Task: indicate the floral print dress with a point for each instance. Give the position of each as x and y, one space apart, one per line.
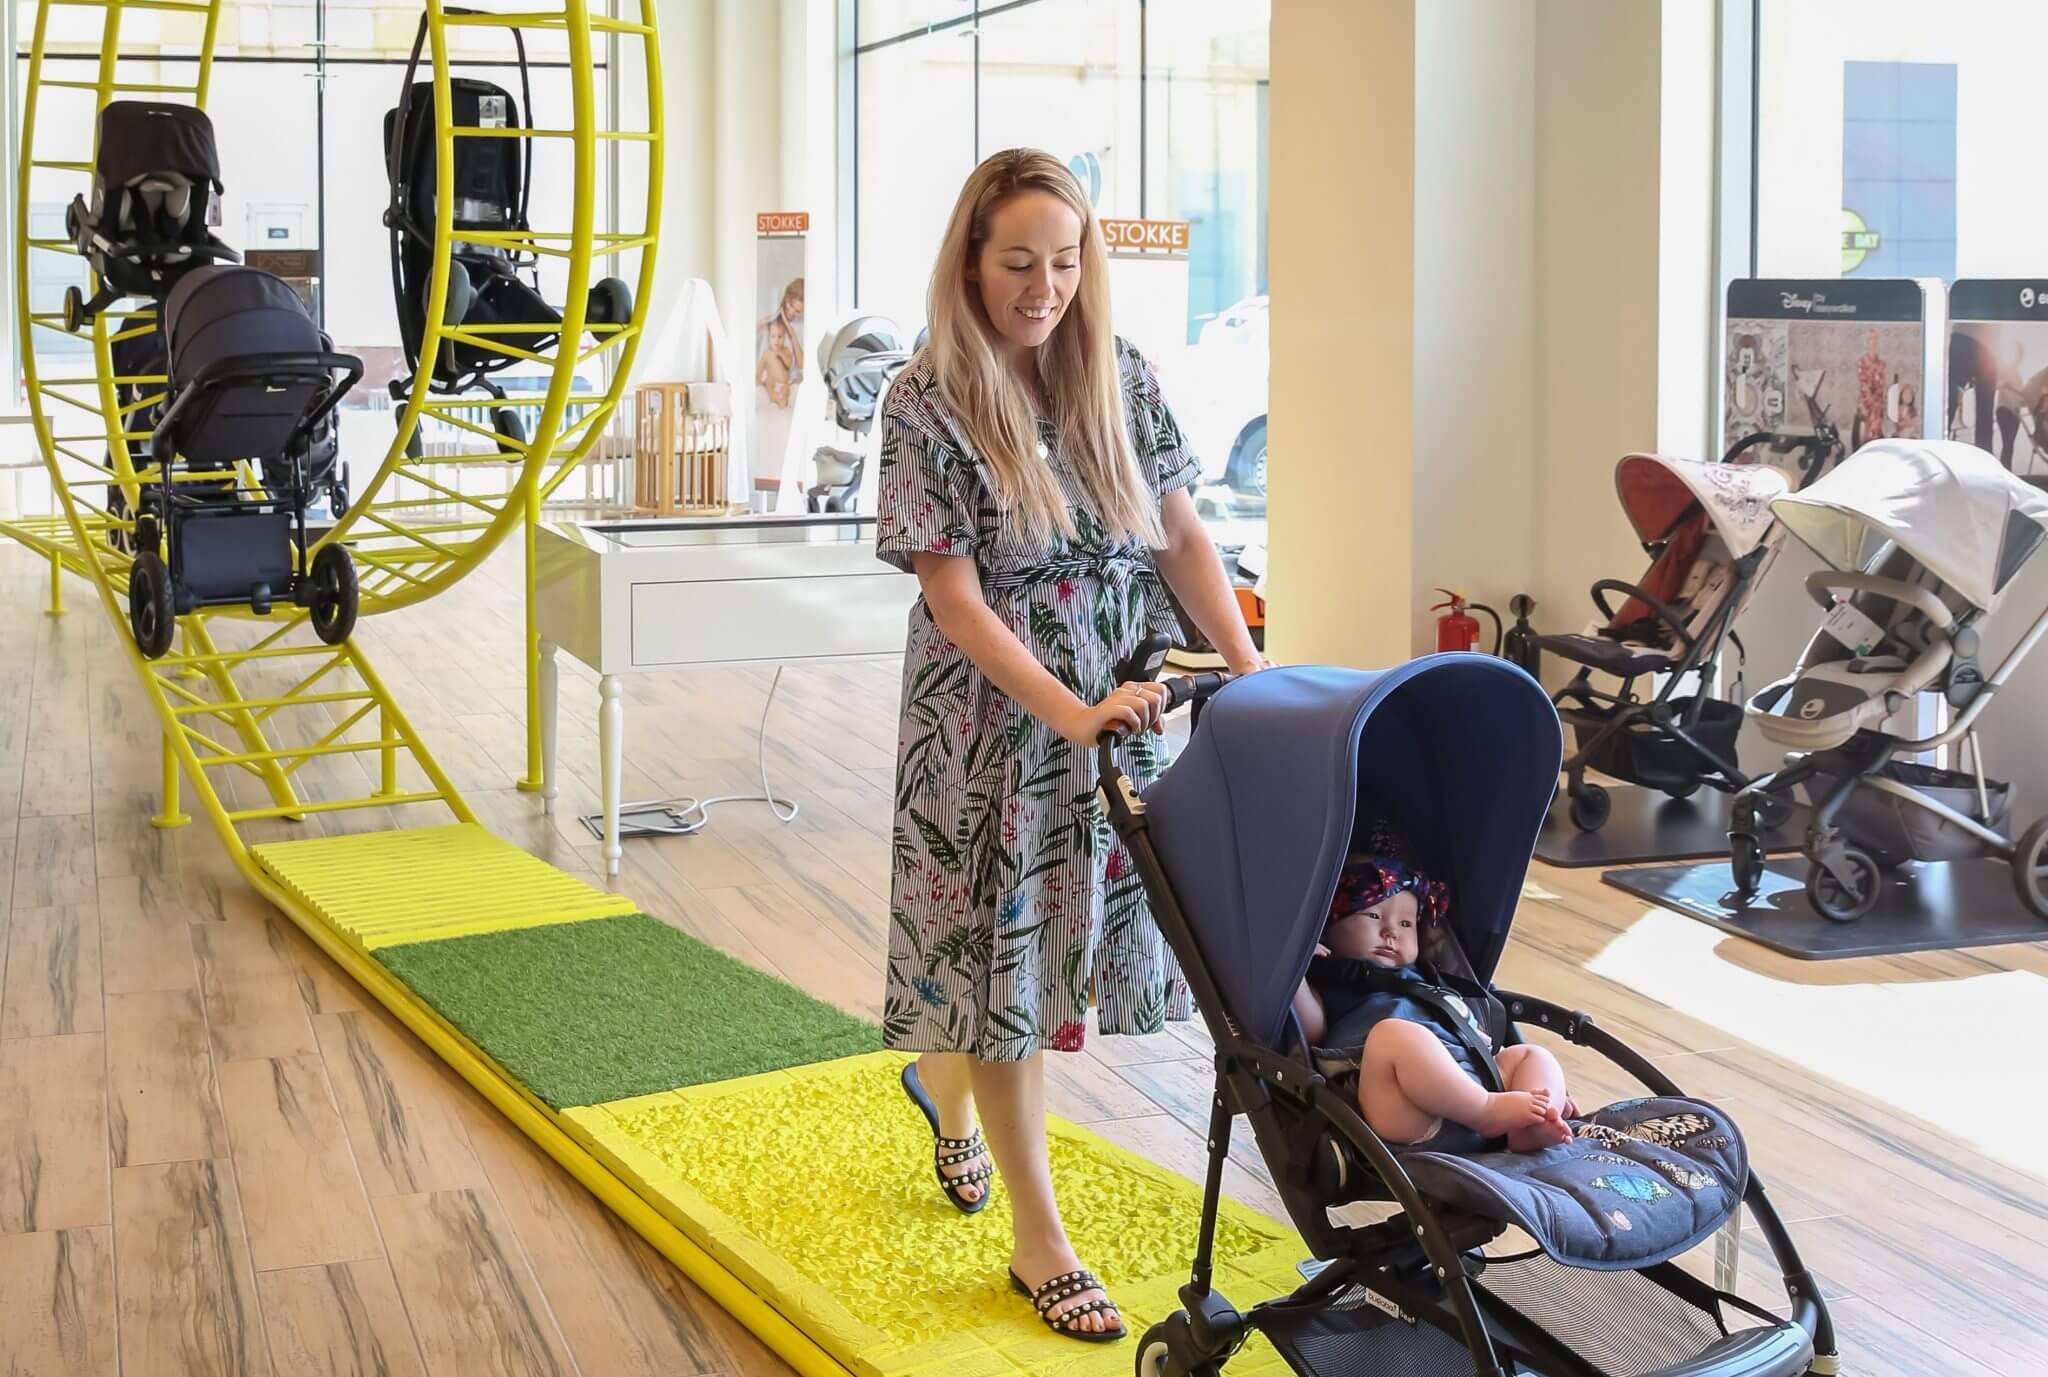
1011 900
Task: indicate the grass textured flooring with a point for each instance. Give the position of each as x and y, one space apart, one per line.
582 1013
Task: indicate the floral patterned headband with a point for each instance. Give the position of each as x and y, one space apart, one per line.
1371 880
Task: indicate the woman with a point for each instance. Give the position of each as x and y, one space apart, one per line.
1034 480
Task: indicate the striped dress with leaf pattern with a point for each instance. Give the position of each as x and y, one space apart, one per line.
1011 901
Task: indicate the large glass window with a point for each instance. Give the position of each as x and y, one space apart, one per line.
1159 107
1897 138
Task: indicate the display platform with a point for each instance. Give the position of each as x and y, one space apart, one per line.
1930 907
1646 825
751 1132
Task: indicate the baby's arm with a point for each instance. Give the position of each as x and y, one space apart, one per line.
1308 1007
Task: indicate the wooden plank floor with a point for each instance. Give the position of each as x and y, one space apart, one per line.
218 1158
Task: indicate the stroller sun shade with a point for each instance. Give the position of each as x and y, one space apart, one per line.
233 312
1656 491
1254 821
140 137
1951 507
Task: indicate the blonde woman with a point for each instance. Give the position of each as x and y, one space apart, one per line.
1034 480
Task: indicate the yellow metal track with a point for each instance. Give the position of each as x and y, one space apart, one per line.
274 726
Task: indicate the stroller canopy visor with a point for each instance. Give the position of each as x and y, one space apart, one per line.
1253 823
1657 490
233 312
140 137
1951 507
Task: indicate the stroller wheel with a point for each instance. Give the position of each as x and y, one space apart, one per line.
150 614
117 509
334 594
2030 868
1156 1357
1746 862
1840 902
508 423
1590 807
611 303
74 309
1685 790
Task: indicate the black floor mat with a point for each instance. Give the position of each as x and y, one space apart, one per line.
1931 907
1646 825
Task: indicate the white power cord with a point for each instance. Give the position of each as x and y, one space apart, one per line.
687 814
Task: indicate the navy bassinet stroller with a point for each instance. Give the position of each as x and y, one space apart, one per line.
1240 845
250 383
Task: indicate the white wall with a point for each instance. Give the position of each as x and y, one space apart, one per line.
1476 439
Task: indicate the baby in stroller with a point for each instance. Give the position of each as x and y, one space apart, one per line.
1421 1056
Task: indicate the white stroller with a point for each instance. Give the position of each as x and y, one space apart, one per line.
1921 537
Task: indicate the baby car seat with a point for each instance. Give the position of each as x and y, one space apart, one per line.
155 184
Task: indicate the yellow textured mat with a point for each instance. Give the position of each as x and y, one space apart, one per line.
813 1187
381 889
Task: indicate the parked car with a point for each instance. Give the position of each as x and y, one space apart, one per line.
1218 392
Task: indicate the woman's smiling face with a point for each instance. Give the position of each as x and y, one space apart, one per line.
1028 267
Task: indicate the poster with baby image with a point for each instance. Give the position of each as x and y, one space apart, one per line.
1997 393
1815 369
779 247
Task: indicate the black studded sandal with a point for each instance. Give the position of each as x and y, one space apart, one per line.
1047 1298
951 1152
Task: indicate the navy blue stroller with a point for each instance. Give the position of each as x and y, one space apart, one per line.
1240 845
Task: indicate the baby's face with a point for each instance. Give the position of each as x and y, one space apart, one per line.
1384 934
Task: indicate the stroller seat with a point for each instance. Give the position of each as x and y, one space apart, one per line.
1643 1181
156 178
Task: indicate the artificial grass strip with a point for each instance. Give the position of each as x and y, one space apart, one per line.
583 1013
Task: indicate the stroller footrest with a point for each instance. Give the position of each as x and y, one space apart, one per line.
1783 1350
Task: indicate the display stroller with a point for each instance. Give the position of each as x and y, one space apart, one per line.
156 177
859 360
1710 536
1921 537
1239 846
489 284
250 381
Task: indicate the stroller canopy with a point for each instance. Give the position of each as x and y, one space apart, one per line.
1254 821
1951 507
1656 491
138 138
233 312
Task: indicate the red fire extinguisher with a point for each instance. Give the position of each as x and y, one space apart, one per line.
1455 630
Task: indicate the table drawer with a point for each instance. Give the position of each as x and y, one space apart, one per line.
733 620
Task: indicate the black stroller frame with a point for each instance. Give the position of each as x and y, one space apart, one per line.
610 301
261 557
1421 1266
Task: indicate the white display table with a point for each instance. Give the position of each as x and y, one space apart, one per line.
633 596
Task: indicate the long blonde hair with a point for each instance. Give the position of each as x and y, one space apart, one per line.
1077 366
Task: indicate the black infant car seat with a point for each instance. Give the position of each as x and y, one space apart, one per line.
156 183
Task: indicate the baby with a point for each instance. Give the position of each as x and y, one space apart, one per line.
1418 1085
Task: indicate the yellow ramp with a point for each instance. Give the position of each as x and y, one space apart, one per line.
382 889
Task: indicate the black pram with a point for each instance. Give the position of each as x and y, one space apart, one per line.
250 381
1240 845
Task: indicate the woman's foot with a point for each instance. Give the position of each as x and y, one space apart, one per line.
1511 1111
1032 1268
961 1158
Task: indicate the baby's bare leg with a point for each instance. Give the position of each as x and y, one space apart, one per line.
1408 1081
1526 1066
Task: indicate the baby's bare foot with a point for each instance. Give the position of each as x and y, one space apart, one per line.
1510 1110
1546 1132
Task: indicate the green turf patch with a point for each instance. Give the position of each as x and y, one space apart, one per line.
583 1013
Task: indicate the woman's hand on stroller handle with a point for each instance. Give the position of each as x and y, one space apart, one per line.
1158 699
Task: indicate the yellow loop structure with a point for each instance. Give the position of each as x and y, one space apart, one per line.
423 521
281 727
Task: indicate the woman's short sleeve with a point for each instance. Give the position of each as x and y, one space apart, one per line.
1156 437
921 506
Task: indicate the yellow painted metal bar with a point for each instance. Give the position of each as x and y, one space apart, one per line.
300 754
293 810
201 707
169 814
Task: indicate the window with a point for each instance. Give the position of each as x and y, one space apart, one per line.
1159 107
1895 138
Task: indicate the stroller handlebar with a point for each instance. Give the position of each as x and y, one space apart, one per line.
315 367
1180 691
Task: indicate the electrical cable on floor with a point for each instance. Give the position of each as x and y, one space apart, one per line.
688 814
